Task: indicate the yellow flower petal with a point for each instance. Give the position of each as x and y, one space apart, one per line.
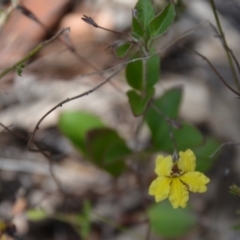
163 166
187 161
196 181
160 188
179 194
153 186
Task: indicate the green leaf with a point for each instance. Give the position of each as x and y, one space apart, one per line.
136 37
122 50
162 21
168 104
75 126
138 103
36 214
138 31
153 70
170 223
144 13
203 153
19 69
236 227
186 136
134 74
107 150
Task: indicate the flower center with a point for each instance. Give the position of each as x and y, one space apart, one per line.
175 171
175 174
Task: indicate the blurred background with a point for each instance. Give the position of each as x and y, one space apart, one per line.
68 197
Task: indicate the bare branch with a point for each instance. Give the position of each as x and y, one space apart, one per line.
64 102
66 40
91 22
219 26
226 47
213 69
38 149
223 145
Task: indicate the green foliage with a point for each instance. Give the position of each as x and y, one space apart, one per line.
236 227
123 49
36 214
152 70
203 153
143 14
162 21
146 25
139 103
142 75
168 104
134 74
186 136
168 222
138 31
107 150
20 68
99 144
81 221
75 125
84 221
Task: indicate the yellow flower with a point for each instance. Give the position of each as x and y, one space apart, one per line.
176 178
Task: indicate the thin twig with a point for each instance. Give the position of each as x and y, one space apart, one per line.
213 69
223 145
64 102
66 40
228 49
46 155
91 22
147 57
219 26
148 234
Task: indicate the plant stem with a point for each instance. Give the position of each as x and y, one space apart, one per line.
144 71
23 60
219 26
33 52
